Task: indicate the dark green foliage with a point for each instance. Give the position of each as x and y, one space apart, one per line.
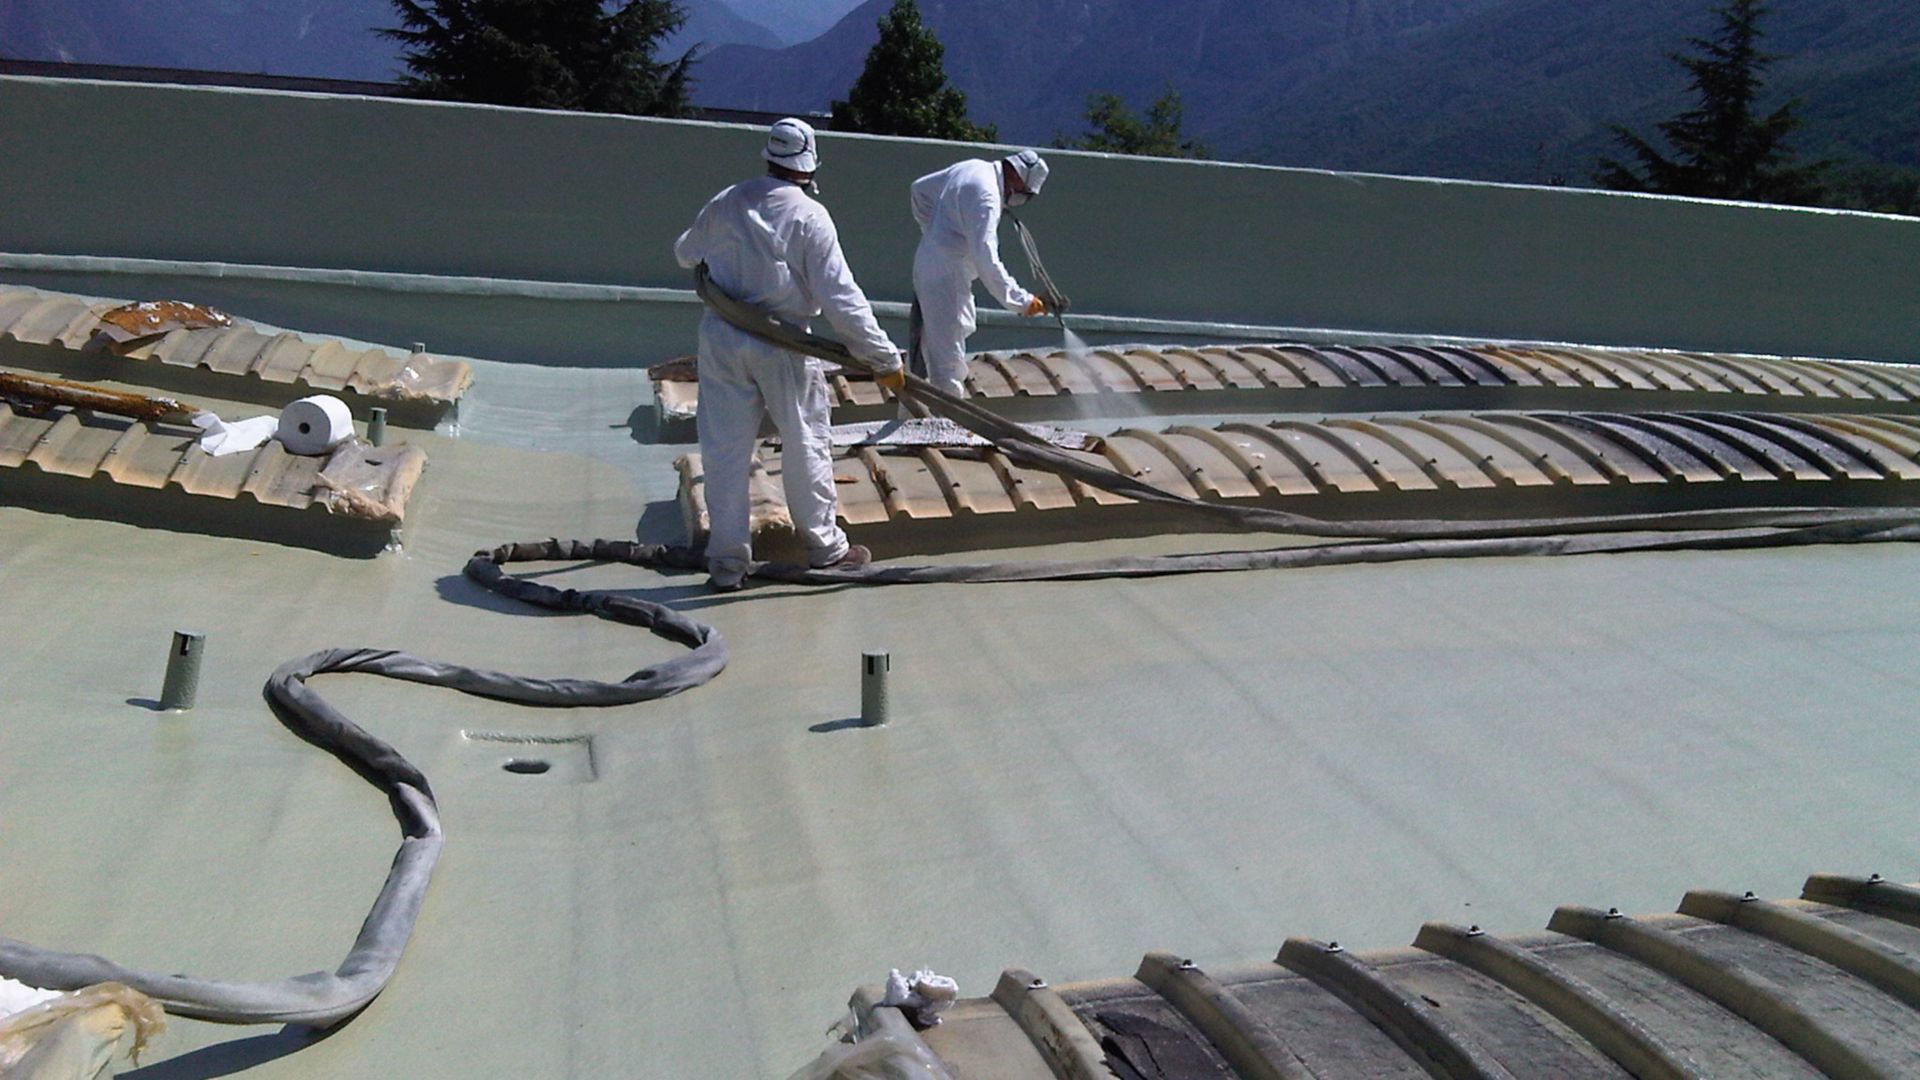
581 55
1116 129
1881 188
904 89
1721 147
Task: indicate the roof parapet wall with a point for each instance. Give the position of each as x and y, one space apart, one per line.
293 180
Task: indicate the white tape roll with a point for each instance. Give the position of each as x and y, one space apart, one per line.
315 425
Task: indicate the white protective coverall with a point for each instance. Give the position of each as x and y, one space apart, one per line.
768 243
958 209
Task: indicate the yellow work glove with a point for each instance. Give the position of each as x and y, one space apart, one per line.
1035 307
895 380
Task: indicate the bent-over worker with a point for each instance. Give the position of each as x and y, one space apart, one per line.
767 243
958 209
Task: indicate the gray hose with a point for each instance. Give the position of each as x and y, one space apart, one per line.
323 998
1057 301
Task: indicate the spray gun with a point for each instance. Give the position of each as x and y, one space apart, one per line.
1057 301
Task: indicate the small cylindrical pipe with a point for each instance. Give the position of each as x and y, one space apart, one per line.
183 671
874 703
377 426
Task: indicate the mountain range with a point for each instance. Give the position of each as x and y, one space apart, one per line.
335 39
1519 90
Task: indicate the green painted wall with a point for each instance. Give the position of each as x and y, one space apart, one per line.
179 173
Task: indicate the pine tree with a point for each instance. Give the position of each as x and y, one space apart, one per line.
1721 148
904 88
545 54
1117 129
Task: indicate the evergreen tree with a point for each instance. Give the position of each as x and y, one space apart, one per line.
581 55
904 88
1117 129
1721 147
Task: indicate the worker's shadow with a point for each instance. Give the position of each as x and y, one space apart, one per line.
644 425
228 1058
661 523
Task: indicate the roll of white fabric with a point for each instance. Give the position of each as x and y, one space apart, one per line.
315 425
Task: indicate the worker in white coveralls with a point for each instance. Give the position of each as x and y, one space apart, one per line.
768 243
958 209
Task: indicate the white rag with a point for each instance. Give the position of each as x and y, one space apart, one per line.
922 995
219 438
18 997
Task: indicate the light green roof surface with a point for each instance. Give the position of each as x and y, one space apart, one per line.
1076 772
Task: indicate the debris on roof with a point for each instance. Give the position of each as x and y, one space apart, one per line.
189 348
1732 985
30 394
1481 463
1367 378
131 325
88 463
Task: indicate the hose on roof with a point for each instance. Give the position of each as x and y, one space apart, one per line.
325 998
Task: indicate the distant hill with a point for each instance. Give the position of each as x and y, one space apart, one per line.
1028 65
711 23
794 21
1519 90
328 38
331 38
1526 90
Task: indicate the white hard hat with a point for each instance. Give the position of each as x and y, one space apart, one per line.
1032 169
790 146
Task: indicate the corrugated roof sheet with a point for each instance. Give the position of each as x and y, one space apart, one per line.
1367 377
356 480
1284 461
292 364
1733 985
